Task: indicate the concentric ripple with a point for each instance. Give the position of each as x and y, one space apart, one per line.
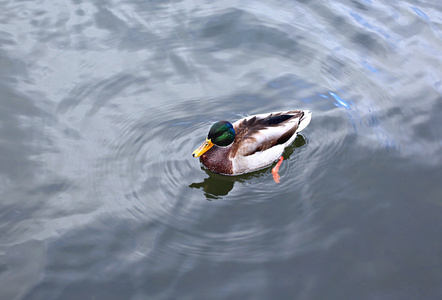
140 163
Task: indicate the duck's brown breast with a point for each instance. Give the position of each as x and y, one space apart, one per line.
217 160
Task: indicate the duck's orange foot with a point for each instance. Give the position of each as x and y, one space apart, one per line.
275 170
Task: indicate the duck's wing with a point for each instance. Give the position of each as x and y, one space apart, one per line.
262 132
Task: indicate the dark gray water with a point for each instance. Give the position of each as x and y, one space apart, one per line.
103 102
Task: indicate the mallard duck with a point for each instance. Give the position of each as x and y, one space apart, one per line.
251 143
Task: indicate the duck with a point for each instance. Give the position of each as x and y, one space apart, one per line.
251 143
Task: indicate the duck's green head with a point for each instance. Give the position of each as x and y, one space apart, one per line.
221 134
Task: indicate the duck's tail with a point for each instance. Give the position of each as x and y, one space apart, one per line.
305 120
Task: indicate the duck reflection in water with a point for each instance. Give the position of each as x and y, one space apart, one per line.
217 186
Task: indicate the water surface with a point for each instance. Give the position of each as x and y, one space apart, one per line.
104 102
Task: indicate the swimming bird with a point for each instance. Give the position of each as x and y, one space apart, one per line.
251 143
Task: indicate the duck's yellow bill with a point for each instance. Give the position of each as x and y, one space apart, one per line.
203 148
